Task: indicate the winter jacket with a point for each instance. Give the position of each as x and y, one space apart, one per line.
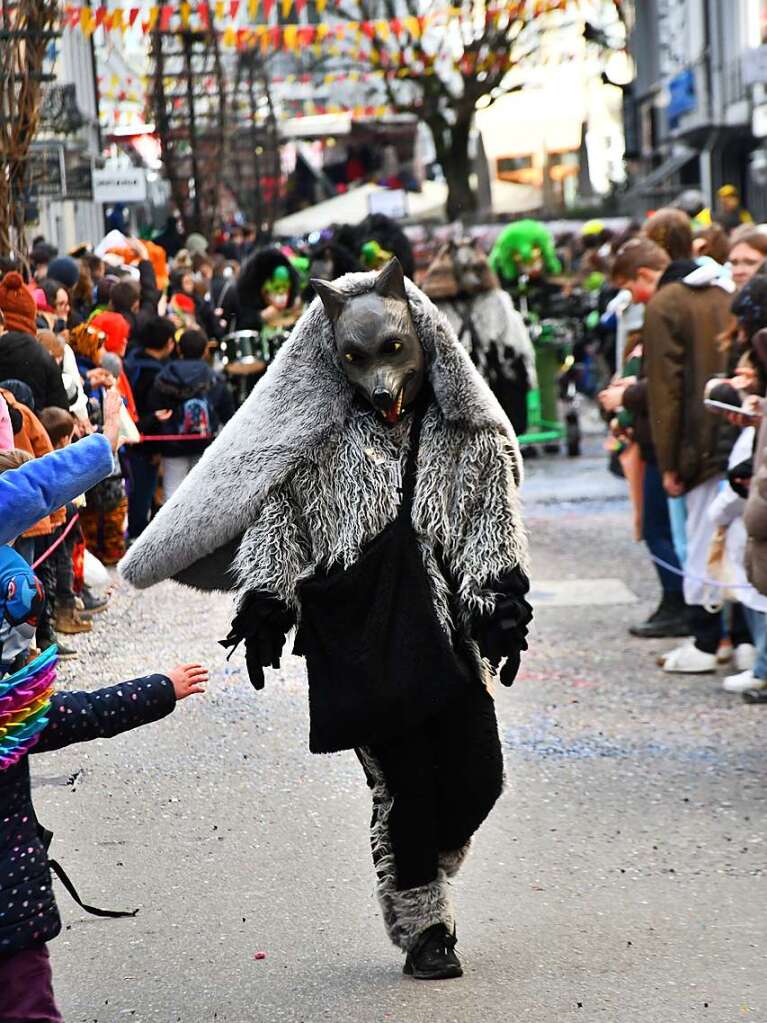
28 912
39 487
33 439
726 512
22 357
141 370
178 382
148 299
681 354
755 516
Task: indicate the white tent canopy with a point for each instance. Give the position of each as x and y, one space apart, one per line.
353 206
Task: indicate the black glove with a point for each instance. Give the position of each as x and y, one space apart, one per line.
503 633
263 621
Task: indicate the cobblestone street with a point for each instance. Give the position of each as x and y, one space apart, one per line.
618 879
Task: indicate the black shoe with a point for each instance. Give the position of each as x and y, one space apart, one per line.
433 956
668 620
91 602
755 696
47 639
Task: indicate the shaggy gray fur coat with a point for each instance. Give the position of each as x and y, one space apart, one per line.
497 325
304 476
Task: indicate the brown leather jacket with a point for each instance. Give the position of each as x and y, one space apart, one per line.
681 353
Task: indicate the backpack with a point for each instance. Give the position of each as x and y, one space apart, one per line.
195 418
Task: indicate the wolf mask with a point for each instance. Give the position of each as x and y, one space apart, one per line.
294 415
376 341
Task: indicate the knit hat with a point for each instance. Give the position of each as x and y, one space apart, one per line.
196 243
116 328
19 307
65 270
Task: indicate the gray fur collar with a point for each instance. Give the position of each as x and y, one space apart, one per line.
302 403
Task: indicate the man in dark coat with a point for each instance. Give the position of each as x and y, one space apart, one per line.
22 357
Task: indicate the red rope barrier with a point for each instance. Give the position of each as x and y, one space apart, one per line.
75 518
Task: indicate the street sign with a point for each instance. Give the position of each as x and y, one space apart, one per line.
45 171
392 202
124 185
78 169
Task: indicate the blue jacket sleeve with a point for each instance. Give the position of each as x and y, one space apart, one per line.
41 486
78 717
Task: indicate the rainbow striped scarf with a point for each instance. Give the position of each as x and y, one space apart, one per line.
25 700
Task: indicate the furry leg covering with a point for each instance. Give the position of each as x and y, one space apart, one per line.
408 913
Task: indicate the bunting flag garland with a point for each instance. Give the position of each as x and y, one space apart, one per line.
199 15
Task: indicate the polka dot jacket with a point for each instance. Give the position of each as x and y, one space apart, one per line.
28 912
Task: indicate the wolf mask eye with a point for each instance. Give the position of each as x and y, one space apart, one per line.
391 347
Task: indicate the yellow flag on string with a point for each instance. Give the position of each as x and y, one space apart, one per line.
185 12
117 19
286 5
412 25
151 18
290 37
230 36
87 21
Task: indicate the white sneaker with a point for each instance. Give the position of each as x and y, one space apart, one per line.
743 681
745 656
688 660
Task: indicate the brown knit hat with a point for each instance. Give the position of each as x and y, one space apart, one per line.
18 305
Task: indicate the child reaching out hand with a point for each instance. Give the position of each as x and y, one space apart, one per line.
35 719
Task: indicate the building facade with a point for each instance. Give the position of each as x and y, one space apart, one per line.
694 112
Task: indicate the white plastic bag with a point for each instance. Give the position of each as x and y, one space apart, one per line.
96 576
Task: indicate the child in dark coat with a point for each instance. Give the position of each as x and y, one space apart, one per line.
189 389
35 719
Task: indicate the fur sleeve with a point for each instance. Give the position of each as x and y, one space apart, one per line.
275 552
476 516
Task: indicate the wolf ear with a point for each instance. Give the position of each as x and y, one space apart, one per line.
391 281
332 298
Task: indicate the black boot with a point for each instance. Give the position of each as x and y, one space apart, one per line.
433 957
670 619
45 637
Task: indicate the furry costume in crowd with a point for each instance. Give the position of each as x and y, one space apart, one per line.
246 302
302 479
522 247
462 284
384 233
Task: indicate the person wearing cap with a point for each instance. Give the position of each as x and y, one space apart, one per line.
22 357
730 212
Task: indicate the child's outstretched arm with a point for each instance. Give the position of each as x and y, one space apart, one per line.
80 716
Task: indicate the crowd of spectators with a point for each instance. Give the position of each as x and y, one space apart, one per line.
686 409
73 328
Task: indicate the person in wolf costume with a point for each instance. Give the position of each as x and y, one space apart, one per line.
368 489
463 286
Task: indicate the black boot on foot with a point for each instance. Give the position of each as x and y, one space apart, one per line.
433 957
46 637
669 620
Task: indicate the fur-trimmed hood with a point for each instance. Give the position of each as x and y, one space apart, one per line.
302 402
